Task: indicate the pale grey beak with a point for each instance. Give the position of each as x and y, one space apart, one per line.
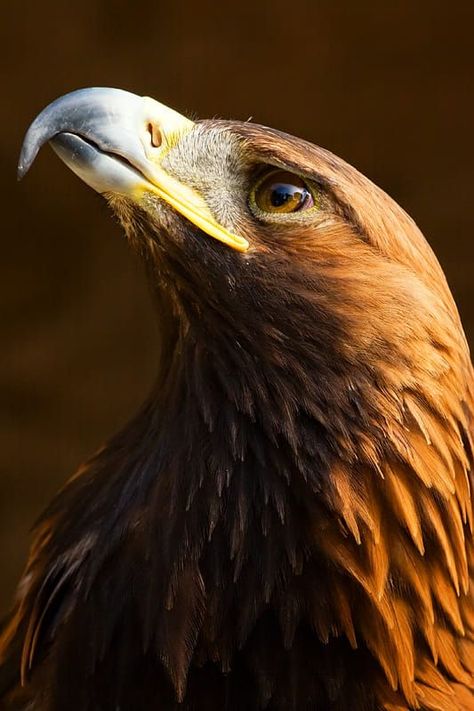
115 141
90 128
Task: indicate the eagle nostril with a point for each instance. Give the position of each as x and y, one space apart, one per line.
155 135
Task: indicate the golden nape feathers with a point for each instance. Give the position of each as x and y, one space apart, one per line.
287 522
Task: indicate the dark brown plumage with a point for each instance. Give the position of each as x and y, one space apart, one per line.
287 522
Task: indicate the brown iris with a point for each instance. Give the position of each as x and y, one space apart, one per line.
282 192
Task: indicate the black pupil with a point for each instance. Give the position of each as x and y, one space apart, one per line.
283 193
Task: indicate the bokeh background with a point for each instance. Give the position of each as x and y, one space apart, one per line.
387 85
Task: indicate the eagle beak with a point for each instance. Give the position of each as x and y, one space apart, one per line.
116 141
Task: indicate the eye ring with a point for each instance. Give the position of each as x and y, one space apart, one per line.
280 192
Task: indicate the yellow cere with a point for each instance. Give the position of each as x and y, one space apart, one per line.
181 197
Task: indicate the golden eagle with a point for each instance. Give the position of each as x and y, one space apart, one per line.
287 522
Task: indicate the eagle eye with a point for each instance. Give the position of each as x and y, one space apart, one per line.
282 192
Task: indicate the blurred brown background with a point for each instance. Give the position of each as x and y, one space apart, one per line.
387 85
